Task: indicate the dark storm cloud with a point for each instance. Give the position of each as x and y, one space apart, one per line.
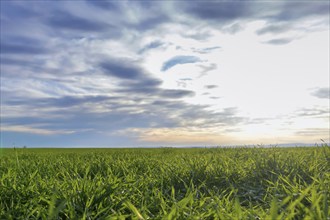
65 20
322 93
179 60
279 41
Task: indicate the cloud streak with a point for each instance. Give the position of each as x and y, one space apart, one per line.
67 21
322 93
121 69
179 60
279 41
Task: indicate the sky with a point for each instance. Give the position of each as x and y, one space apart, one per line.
164 73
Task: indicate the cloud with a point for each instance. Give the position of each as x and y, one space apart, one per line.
279 41
13 9
150 22
176 93
156 92
313 112
21 49
274 28
15 62
206 69
186 79
289 17
32 130
140 82
289 11
199 35
133 79
127 113
322 93
279 16
221 11
62 102
317 133
152 45
189 131
105 5
65 20
12 44
179 60
205 50
143 82
122 69
211 86
233 28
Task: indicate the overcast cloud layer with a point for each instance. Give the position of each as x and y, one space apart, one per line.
163 73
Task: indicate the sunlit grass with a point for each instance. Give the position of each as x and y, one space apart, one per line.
165 183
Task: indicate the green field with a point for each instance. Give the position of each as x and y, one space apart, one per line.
165 183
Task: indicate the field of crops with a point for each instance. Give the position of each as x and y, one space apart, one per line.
165 183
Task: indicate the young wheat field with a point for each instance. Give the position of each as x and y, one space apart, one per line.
165 183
